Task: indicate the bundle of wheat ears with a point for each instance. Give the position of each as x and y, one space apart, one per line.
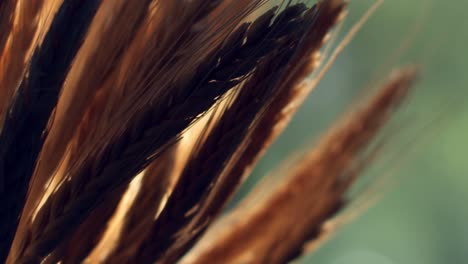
126 127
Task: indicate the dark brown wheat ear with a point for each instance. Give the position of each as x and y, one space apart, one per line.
6 20
177 98
273 225
25 125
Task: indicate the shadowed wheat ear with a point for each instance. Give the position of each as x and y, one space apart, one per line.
140 141
114 26
6 20
19 22
130 124
282 104
117 26
273 224
111 219
25 125
185 210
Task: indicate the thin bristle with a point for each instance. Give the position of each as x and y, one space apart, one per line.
274 229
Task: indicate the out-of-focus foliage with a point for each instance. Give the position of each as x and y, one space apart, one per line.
422 218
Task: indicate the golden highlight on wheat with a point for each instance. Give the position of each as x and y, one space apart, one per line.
127 126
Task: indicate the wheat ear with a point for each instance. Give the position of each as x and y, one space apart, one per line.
7 8
155 179
19 40
78 246
273 228
94 116
285 102
158 182
23 131
113 29
204 165
111 32
276 110
132 149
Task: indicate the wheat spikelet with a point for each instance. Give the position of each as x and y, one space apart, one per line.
311 193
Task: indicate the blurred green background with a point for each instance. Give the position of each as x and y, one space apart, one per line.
423 219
